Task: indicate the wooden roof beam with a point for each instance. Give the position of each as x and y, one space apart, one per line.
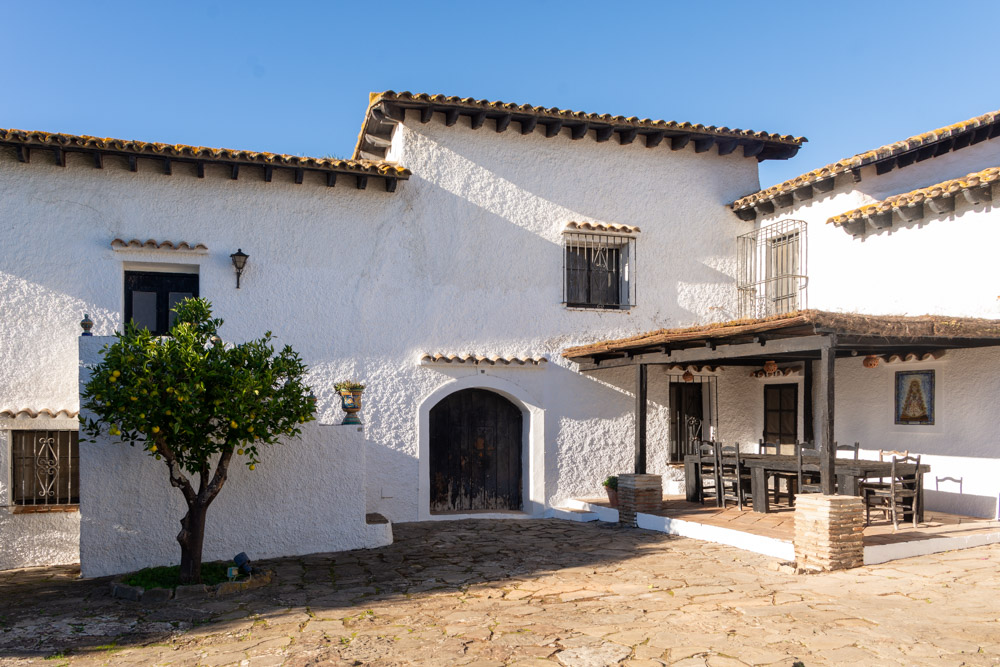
477 118
802 194
727 146
653 139
579 131
885 166
23 153
394 112
450 117
825 185
626 137
679 142
602 134
528 124
552 128
703 144
746 214
362 181
390 184
99 160
426 114
753 148
503 122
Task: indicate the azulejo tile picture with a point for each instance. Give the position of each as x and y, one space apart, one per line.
915 398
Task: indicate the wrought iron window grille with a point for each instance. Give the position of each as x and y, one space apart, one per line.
45 468
772 273
599 271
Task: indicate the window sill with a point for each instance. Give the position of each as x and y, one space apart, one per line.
598 309
43 509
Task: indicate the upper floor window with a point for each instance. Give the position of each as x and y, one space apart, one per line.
45 468
599 270
150 297
772 276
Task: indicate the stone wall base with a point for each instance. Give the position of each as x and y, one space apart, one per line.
638 493
829 531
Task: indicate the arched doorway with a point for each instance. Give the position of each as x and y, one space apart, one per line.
475 453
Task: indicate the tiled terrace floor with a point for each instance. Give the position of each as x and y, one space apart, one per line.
780 522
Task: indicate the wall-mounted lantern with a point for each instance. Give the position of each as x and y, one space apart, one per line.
239 261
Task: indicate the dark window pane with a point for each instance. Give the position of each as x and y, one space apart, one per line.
149 296
174 298
144 309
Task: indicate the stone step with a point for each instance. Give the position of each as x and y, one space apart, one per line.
570 514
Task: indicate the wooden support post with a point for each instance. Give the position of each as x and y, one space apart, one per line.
640 419
200 169
828 477
808 432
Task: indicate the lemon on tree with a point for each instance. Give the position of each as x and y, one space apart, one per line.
216 386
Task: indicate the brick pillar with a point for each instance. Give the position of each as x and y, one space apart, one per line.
638 493
829 531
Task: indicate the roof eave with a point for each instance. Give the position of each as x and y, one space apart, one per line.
387 109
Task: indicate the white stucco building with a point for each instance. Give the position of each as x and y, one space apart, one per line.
448 267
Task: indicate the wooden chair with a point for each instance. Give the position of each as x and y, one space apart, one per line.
882 482
734 479
708 471
855 448
807 480
899 496
790 478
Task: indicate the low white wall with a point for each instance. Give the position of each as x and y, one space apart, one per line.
35 538
306 496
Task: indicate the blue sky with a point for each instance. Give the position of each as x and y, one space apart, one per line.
294 77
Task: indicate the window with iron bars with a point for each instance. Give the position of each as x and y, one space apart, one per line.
772 276
45 468
599 271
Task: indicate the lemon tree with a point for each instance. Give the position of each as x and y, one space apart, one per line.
197 405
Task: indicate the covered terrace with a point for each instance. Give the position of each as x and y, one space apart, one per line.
807 336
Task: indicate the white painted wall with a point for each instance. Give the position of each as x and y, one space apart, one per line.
940 265
465 257
307 495
34 538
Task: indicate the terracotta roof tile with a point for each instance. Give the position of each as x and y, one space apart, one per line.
150 244
945 189
850 323
919 147
198 153
481 360
600 227
27 413
374 135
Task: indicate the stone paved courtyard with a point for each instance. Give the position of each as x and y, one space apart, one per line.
542 592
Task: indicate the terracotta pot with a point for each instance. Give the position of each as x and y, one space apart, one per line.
871 361
612 496
770 367
350 401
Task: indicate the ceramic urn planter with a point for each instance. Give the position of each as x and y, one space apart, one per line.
350 401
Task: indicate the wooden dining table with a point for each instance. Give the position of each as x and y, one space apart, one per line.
850 473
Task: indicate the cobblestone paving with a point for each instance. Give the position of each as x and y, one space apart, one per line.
526 593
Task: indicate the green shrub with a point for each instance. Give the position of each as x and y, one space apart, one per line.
170 576
611 482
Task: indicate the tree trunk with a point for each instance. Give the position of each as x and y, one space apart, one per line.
192 539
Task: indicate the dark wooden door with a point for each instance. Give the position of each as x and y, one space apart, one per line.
781 413
686 418
475 453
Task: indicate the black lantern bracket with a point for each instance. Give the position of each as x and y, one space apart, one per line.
239 261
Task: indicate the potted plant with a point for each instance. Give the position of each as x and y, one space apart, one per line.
611 486
350 400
